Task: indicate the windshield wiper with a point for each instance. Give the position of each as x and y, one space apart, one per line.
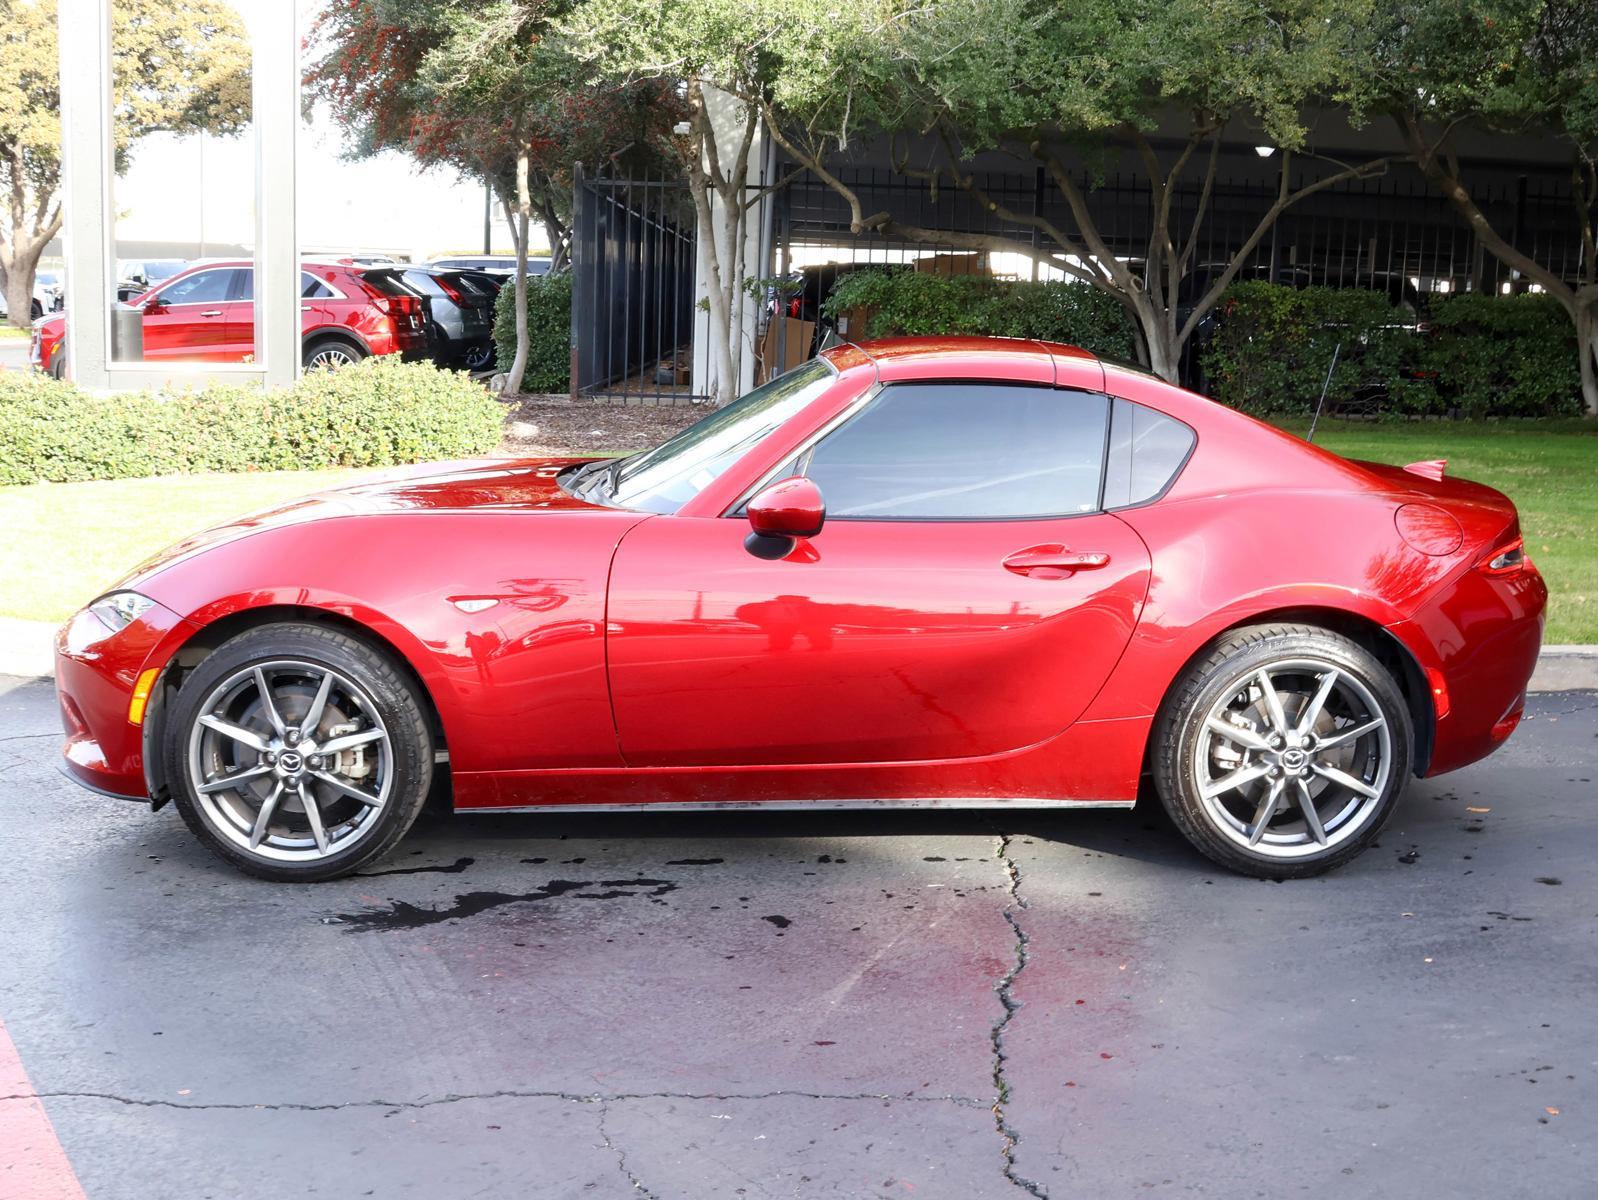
613 476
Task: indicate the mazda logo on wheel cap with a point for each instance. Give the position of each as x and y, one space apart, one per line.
290 761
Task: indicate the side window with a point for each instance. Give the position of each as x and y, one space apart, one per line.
312 288
1147 449
935 451
203 287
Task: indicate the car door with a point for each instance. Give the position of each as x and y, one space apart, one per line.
967 596
187 318
240 311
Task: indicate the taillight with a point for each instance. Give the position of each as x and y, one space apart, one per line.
448 290
1508 559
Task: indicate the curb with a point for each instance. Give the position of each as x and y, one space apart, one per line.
27 650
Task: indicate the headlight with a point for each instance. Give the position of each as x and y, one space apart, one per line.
120 609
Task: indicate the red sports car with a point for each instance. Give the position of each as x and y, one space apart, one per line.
951 572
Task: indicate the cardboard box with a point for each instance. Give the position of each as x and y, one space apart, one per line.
953 264
791 339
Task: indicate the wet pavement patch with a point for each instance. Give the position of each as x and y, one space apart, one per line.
402 915
694 862
454 868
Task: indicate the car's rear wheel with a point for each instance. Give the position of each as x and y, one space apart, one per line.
329 354
479 357
1283 751
297 752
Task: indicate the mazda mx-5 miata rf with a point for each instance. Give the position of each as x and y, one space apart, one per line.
952 572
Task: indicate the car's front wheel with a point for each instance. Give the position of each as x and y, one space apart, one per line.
297 752
1282 752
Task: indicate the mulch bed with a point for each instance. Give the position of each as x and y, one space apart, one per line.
551 426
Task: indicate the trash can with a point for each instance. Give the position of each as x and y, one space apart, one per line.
127 333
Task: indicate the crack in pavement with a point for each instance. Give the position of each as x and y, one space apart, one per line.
1011 1138
508 1094
621 1155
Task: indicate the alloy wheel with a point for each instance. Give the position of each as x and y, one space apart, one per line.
289 760
330 358
1293 759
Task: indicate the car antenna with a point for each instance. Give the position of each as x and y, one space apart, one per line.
1325 387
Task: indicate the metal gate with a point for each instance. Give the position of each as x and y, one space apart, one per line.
633 256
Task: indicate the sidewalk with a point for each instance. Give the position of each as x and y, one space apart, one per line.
26 650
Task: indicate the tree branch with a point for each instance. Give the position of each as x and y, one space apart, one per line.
1285 199
1448 183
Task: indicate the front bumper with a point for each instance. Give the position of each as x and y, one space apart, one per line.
96 670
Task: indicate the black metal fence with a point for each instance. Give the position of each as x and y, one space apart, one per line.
633 255
1359 233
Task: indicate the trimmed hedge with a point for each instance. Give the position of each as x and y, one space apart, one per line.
1479 356
1272 347
549 331
378 412
905 301
1504 356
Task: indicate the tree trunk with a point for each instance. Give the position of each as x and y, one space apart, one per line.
1587 347
519 232
18 264
1164 351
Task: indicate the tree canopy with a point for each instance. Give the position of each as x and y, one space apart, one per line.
474 86
1522 66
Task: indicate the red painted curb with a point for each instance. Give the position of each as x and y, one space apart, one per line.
33 1166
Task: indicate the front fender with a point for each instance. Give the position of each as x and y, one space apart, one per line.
519 684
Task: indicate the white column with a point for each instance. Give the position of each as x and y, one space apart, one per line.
86 172
89 216
275 84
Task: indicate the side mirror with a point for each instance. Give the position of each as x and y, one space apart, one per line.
788 509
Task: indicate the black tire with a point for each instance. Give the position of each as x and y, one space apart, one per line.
1223 824
330 353
369 687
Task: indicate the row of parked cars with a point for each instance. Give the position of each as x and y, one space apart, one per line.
350 308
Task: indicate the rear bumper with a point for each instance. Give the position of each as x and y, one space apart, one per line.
1478 640
95 673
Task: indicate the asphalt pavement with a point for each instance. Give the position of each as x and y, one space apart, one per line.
926 1005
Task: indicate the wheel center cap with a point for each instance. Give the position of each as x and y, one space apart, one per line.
1294 760
291 762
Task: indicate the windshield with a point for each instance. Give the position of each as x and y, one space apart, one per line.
662 480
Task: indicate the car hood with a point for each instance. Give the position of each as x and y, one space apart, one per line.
521 484
525 485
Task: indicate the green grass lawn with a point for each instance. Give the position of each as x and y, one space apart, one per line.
1548 468
8 332
64 543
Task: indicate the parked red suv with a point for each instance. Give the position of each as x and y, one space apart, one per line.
207 313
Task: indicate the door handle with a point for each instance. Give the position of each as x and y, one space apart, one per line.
1054 561
212 312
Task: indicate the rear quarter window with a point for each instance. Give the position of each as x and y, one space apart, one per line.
1147 451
